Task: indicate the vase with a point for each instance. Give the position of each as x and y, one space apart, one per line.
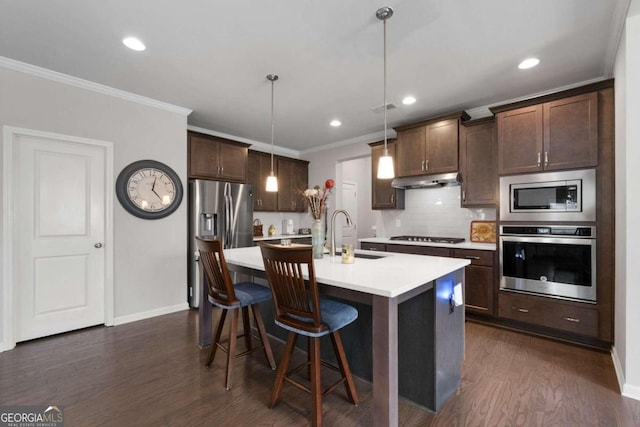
317 238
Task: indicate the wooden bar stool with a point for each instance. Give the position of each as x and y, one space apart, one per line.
302 311
234 298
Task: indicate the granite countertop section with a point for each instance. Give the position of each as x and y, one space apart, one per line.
281 236
464 245
389 275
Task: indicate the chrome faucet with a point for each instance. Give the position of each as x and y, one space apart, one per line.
332 249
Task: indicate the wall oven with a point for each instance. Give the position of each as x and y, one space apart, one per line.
553 260
549 196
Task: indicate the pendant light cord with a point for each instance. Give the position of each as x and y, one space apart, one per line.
272 81
384 106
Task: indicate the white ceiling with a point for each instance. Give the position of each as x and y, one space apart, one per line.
213 56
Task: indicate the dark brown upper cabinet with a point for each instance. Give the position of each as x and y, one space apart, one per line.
215 158
555 135
429 147
293 178
258 171
383 195
478 163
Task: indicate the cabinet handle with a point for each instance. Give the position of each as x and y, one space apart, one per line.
520 309
472 257
392 197
571 319
221 170
426 165
422 165
546 158
539 160
464 196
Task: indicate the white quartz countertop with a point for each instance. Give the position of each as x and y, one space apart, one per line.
463 245
391 275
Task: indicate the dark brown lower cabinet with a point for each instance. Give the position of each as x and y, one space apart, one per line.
479 280
557 314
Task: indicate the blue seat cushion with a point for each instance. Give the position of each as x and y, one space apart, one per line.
335 315
247 293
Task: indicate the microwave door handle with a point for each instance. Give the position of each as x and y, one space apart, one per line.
539 159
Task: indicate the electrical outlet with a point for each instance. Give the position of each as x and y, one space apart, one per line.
398 223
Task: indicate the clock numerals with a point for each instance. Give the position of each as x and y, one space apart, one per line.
149 189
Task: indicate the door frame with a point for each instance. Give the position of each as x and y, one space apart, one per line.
10 221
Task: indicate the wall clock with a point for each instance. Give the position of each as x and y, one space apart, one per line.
149 189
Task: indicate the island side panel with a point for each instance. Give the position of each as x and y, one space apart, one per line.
449 338
385 361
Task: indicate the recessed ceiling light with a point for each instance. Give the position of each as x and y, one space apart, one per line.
408 100
133 44
529 63
335 123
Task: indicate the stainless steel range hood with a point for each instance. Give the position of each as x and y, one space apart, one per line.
427 181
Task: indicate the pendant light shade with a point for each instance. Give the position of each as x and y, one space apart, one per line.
272 180
385 164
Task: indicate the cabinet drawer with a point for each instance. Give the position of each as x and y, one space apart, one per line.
419 250
477 257
370 246
540 311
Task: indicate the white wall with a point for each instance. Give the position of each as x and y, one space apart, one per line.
149 256
627 334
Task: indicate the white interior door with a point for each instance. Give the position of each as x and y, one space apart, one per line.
59 200
344 233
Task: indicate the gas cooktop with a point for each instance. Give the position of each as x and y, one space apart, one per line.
429 239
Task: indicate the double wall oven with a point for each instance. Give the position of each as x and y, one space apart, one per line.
547 234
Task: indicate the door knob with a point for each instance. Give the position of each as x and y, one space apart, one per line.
98 245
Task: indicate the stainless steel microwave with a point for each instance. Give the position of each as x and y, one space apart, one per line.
549 196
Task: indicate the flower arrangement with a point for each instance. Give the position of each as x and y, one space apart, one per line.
317 197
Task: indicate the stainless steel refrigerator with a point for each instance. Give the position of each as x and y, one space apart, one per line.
217 209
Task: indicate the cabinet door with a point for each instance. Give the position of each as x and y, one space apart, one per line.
383 195
232 162
478 165
479 289
203 157
411 151
571 132
285 184
441 154
520 140
300 182
259 168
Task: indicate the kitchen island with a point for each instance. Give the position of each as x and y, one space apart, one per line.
408 297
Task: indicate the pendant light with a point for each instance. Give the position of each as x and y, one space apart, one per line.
385 164
272 180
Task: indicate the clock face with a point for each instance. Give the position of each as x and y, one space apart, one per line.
149 189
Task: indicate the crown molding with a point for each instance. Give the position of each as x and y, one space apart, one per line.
44 73
371 137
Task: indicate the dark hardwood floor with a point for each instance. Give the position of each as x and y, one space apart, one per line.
152 373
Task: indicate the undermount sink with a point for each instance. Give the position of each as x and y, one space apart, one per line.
365 256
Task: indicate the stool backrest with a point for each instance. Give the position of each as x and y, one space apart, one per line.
297 301
215 271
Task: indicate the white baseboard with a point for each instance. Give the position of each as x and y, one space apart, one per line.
627 390
120 320
5 348
631 391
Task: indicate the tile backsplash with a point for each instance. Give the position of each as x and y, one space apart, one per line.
431 212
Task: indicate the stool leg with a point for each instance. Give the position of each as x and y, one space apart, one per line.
215 339
246 326
344 367
263 335
282 369
316 383
231 353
